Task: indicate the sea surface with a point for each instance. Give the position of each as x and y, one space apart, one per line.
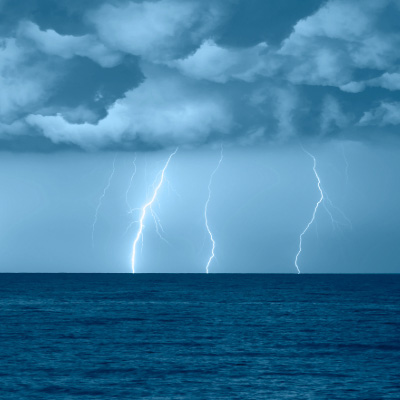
192 336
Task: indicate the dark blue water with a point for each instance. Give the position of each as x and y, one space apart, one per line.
121 336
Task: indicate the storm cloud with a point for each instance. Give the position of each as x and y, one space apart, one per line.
153 74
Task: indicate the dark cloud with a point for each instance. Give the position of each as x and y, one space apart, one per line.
85 83
255 21
149 74
66 17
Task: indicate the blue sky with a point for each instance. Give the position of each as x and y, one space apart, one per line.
84 82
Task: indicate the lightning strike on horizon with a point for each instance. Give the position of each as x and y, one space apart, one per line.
146 206
315 209
206 209
101 200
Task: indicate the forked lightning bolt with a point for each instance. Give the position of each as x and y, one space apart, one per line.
101 200
336 223
206 209
158 225
146 206
314 212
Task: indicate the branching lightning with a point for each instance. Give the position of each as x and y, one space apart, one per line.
158 225
101 200
335 222
139 234
314 212
206 209
325 200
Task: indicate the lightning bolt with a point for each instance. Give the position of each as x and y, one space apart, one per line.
146 206
96 214
315 209
158 225
334 221
206 209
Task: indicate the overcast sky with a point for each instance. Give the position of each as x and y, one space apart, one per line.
85 86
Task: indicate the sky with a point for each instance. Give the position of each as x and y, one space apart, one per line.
91 92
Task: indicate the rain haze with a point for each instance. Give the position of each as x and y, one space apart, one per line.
92 92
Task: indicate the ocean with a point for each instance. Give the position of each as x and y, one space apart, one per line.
198 336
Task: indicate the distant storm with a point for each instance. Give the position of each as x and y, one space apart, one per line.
97 95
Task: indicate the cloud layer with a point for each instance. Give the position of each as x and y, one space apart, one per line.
150 74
